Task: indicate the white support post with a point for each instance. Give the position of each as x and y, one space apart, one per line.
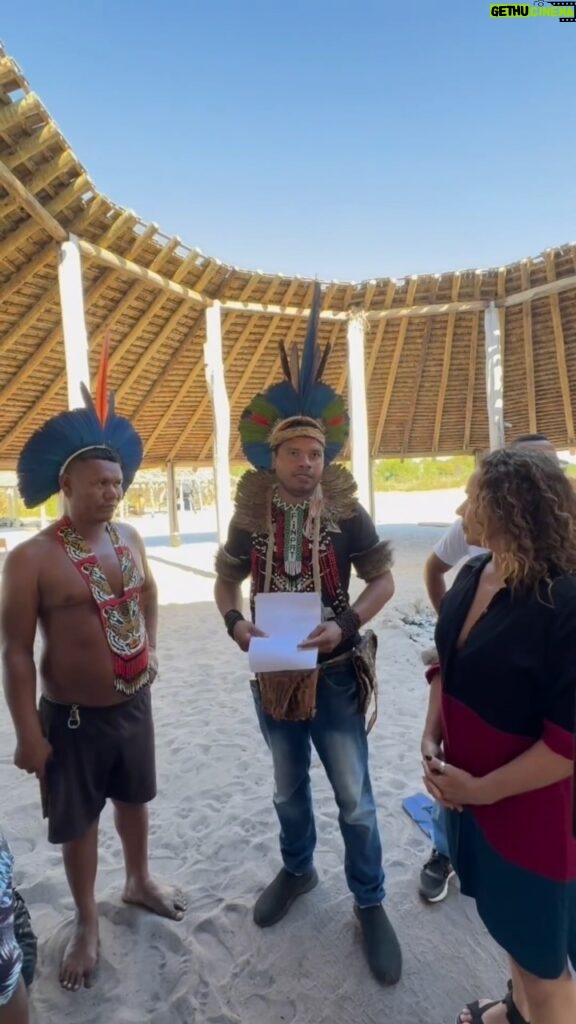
216 381
359 444
494 376
173 524
73 322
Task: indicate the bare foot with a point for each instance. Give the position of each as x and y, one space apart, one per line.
164 900
80 956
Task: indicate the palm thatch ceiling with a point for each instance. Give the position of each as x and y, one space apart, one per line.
425 367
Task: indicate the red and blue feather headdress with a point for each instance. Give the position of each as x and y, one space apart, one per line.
51 448
301 405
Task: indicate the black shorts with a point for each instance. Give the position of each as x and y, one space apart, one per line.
109 754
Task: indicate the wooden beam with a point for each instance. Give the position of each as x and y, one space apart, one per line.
392 373
528 349
201 407
50 342
61 164
25 322
539 291
46 255
236 447
445 366
64 198
38 141
472 361
14 114
155 345
248 370
126 266
28 202
560 353
424 346
357 402
171 365
126 220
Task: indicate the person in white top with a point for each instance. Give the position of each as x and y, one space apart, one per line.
451 549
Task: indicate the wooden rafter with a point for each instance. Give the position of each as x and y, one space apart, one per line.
63 162
155 345
445 366
199 368
173 364
424 346
14 114
33 146
560 353
27 271
42 305
60 202
23 198
528 349
393 372
49 343
126 266
204 402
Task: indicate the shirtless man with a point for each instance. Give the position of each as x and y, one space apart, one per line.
86 582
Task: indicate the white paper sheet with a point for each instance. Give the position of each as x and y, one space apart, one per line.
287 619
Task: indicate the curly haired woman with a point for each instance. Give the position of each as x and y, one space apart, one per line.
502 704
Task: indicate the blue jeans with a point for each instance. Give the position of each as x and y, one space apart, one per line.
439 834
338 733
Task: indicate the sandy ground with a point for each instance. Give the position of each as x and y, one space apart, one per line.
214 832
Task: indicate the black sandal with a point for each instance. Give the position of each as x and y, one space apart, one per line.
513 1014
477 1011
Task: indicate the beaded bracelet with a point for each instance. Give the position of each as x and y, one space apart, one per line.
349 622
231 619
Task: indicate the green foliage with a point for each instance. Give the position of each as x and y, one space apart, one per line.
422 474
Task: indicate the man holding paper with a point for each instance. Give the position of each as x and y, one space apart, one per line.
297 531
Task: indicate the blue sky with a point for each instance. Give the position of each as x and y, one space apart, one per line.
347 139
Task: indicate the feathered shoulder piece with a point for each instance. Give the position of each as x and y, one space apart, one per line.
301 404
51 448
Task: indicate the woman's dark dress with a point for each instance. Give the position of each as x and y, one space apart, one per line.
511 684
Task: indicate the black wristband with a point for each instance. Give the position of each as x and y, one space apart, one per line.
231 618
349 622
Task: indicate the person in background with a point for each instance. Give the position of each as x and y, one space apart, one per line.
452 548
13 998
502 702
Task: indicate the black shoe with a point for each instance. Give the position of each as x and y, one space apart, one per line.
382 948
278 897
434 878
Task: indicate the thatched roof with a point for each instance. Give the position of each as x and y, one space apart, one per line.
424 339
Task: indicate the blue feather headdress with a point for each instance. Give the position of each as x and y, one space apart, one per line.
96 427
300 405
